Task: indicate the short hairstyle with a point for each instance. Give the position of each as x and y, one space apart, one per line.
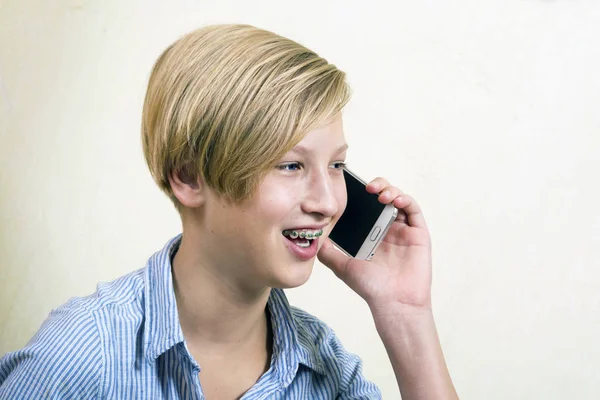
226 102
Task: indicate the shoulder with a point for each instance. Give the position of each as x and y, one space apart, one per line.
122 291
66 356
323 345
310 326
317 337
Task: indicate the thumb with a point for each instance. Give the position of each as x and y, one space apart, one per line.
333 258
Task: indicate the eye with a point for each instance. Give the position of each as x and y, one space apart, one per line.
338 165
292 166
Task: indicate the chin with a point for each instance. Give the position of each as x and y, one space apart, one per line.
295 275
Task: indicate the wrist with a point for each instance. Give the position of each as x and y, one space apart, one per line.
403 319
397 310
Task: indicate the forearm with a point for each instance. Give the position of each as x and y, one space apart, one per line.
411 340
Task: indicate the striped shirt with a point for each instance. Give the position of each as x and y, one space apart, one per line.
125 342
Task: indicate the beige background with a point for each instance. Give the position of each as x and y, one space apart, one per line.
488 112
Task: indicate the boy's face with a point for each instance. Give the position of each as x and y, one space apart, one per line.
305 192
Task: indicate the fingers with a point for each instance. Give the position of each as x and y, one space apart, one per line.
333 258
410 211
387 193
414 214
377 185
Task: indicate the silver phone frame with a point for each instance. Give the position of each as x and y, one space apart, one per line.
384 221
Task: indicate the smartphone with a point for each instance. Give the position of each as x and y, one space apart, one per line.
364 223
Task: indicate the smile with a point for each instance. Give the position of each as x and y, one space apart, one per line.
303 234
303 238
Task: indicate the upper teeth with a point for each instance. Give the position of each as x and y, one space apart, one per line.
304 234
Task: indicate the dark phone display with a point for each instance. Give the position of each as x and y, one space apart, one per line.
362 211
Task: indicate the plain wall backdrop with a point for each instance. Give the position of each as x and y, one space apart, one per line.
488 112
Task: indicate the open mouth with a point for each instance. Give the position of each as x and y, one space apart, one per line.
303 237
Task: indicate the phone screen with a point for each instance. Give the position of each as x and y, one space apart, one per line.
362 211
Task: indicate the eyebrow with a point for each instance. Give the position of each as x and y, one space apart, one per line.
303 150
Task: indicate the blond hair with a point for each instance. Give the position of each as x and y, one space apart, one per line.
226 102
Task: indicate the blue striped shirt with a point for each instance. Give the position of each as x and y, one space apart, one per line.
125 342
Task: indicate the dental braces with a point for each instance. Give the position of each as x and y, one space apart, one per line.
302 234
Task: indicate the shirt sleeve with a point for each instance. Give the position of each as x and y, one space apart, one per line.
354 385
62 361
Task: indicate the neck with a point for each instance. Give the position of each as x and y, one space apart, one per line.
216 313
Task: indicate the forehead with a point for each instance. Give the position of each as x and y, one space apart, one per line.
328 137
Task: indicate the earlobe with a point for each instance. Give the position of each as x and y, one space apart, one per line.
189 190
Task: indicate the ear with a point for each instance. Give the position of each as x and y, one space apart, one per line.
190 191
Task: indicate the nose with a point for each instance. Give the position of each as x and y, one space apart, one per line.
321 196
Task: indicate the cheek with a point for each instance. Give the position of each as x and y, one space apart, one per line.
275 203
342 197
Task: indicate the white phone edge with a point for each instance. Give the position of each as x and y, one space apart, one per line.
378 232
385 220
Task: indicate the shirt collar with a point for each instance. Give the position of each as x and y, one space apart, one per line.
291 341
162 329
